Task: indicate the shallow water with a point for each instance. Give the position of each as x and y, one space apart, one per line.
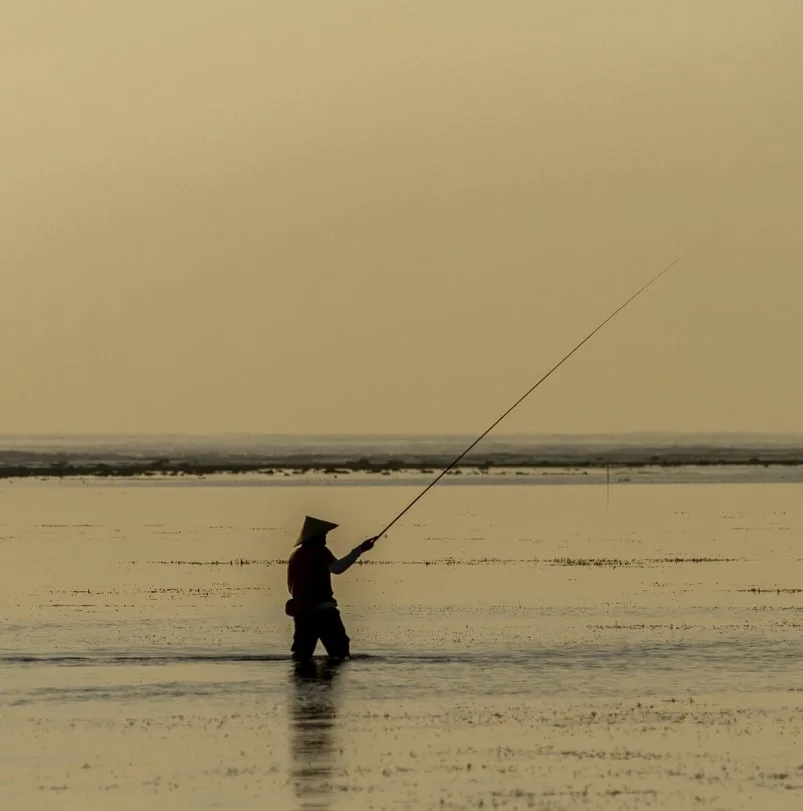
517 646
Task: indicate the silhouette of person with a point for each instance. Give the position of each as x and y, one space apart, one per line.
312 604
313 714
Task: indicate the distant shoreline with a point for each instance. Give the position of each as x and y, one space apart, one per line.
291 466
26 457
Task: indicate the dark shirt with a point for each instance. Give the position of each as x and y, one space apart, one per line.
308 577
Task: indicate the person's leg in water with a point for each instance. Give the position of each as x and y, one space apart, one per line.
305 637
332 634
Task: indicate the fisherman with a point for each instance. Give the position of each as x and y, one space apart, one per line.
309 580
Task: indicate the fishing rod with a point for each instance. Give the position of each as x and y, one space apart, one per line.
529 391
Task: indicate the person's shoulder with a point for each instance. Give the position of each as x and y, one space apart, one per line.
328 554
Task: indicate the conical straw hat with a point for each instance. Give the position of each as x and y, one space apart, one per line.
314 527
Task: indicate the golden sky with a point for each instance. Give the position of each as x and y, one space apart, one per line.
394 217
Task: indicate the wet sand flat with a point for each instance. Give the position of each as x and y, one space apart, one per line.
517 646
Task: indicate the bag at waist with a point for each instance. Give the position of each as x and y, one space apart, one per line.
295 608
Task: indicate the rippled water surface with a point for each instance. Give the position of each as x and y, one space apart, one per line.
531 645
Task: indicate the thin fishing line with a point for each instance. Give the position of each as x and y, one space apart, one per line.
529 391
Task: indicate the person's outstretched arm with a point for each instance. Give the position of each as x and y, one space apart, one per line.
340 566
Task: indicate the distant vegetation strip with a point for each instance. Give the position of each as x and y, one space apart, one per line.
23 464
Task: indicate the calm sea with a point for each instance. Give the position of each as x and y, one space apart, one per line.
520 644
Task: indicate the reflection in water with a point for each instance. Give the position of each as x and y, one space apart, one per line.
312 732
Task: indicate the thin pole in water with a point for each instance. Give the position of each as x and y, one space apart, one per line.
532 388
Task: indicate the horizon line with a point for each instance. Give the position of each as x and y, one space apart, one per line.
390 435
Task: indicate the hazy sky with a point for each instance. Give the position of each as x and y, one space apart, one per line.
394 216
